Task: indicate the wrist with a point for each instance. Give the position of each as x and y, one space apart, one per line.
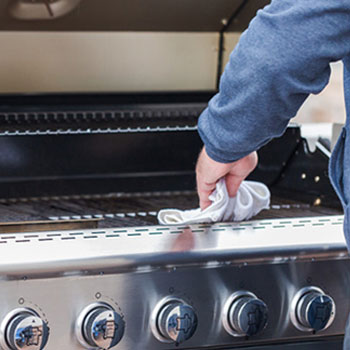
222 157
219 155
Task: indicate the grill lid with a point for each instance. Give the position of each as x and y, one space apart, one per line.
126 15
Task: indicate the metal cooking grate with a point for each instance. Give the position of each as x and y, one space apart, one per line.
133 211
150 119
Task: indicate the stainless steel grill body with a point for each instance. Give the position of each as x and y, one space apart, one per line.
108 162
110 156
58 274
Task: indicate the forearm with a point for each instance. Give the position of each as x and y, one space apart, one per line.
282 58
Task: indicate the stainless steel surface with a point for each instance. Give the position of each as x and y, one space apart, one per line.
157 66
235 319
271 241
41 10
207 289
125 284
137 271
23 328
335 343
131 15
99 326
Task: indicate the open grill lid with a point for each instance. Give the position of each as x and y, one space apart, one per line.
127 15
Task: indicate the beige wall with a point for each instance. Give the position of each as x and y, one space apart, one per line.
231 41
37 62
329 105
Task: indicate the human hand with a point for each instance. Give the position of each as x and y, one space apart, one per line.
209 172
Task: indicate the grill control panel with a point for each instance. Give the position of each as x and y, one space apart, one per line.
184 319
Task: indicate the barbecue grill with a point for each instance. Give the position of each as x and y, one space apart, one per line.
84 264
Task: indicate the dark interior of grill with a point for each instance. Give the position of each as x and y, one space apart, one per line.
120 158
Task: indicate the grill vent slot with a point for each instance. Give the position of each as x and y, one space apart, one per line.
159 231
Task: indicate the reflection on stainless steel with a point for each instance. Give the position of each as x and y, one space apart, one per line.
41 10
184 242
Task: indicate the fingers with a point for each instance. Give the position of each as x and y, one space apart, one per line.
232 184
206 170
204 191
209 172
239 171
247 164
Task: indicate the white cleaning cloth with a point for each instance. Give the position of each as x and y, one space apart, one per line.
251 198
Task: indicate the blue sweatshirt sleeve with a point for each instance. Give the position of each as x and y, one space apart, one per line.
281 58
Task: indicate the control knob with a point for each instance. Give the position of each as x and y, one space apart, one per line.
174 321
23 329
313 310
99 326
244 314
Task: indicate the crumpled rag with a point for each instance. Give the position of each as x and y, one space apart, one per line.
251 198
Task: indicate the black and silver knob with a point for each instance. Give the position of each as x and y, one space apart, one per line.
99 326
174 321
244 314
23 329
312 310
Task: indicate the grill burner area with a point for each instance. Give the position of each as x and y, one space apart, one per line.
135 210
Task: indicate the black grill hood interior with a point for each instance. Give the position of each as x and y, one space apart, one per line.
127 15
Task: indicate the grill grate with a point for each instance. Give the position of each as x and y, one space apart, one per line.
134 210
148 119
